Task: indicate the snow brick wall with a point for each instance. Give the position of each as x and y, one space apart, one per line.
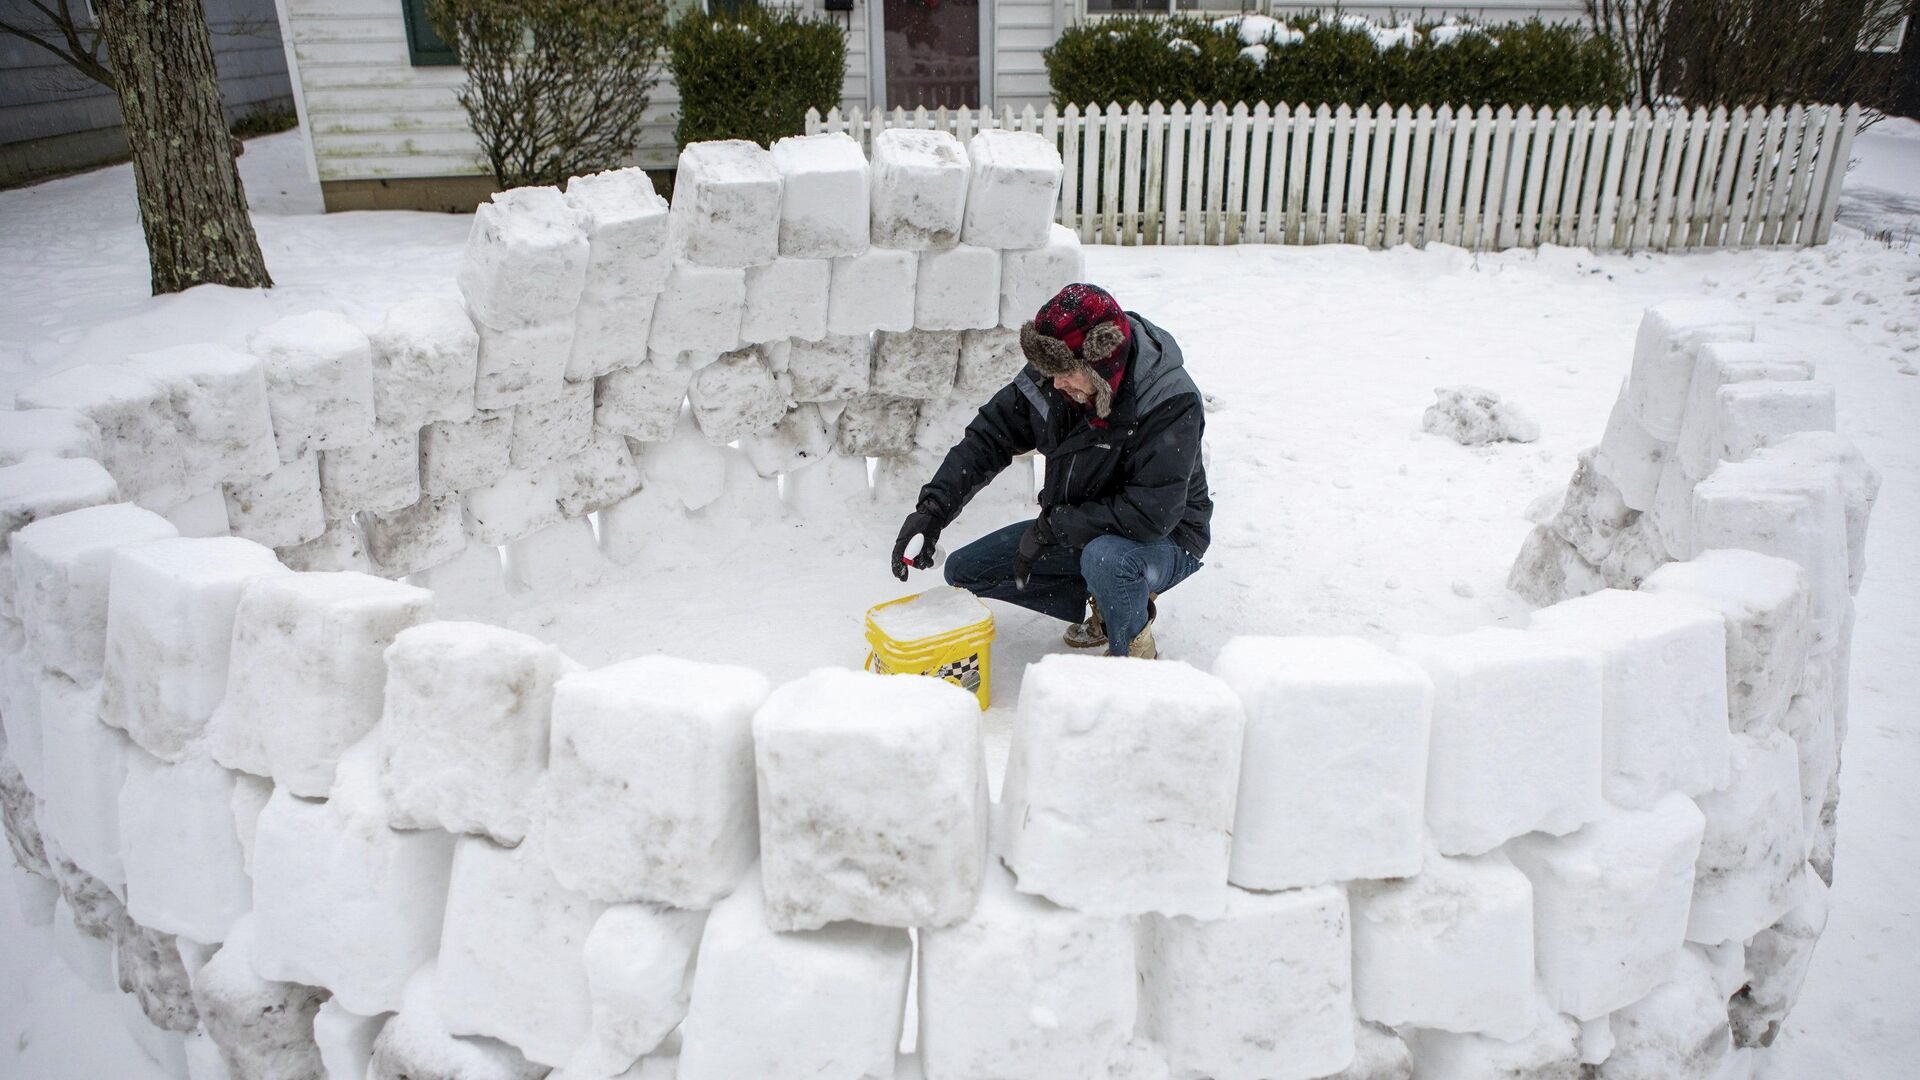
313 829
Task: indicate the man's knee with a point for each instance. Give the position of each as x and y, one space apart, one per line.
1111 559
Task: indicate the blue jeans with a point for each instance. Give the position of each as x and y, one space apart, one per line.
1118 572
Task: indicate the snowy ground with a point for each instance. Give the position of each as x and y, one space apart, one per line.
1336 514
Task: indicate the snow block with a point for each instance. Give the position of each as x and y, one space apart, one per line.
456 455
786 298
659 752
170 616
546 431
1592 515
1678 1032
464 733
1638 552
343 901
837 366
1262 993
565 554
700 310
281 508
1025 988
872 801
417 537
1028 279
1610 903
824 198
43 487
1672 511
1549 570
989 360
640 402
426 356
873 290
147 963
264 1029
1671 333
522 363
596 478
609 333
520 503
345 1040
1516 736
512 960
1789 511
1551 1051
18 809
1721 364
736 396
61 565
140 443
958 289
876 425
1776 965
917 364
309 670
378 475
1836 455
59 433
1752 414
919 181
526 258
173 817
339 547
1333 774
1755 843
1631 456
1119 790
800 439
726 204
627 232
1762 603
1449 948
1012 185
639 974
319 381
825 1003
1664 691
416 1045
83 765
219 399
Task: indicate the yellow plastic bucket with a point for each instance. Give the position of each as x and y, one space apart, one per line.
945 633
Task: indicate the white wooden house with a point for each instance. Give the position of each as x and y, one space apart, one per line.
375 87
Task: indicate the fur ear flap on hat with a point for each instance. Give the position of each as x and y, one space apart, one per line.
1048 355
1101 341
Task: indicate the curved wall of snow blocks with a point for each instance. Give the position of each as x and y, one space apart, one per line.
313 830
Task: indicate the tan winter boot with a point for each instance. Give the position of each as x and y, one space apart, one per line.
1091 634
1142 647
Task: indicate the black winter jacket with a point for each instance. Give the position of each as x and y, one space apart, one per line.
1140 477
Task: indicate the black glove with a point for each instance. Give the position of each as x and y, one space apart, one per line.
1037 538
925 522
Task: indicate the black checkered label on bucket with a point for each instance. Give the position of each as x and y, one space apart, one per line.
964 673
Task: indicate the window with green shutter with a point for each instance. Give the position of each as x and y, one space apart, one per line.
424 46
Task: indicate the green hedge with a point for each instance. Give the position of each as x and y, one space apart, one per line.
1143 59
753 75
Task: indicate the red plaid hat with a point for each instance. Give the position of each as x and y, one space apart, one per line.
1082 327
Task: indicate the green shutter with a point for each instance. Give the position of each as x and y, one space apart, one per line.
424 46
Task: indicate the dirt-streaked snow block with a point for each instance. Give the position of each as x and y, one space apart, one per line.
19 809
825 203
512 962
876 425
1592 514
417 537
659 752
836 367
1119 791
464 733
281 508
627 231
342 900
61 565
309 670
1755 843
140 443
1825 451
1638 552
1610 903
319 381
1750 415
219 398
736 396
700 310
919 181
872 801
1669 339
186 873
1549 570
958 289
1333 775
1449 948
1792 511
918 364
520 364
83 766
416 1045
170 617
521 502
640 402
1516 736
1762 602
546 431
1551 1051
1720 364
378 475
1025 988
1028 279
799 440
339 547
726 204
425 359
1664 690
1677 1032
1013 183
873 290
1630 456
264 1028
41 488
456 455
148 965
825 1003
786 298
596 478
609 332
639 974
526 258
989 360
55 433
345 1040
564 554
96 907
1776 964
1262 993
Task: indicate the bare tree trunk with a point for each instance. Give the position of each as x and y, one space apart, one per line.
192 206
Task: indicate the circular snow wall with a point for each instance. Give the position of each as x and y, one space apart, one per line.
311 828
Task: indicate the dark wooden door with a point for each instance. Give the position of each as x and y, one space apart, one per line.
932 53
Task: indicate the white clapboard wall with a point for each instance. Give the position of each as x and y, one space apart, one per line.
1632 180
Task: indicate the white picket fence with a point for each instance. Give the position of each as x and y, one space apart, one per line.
1639 179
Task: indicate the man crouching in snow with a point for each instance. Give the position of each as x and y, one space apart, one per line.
1124 510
